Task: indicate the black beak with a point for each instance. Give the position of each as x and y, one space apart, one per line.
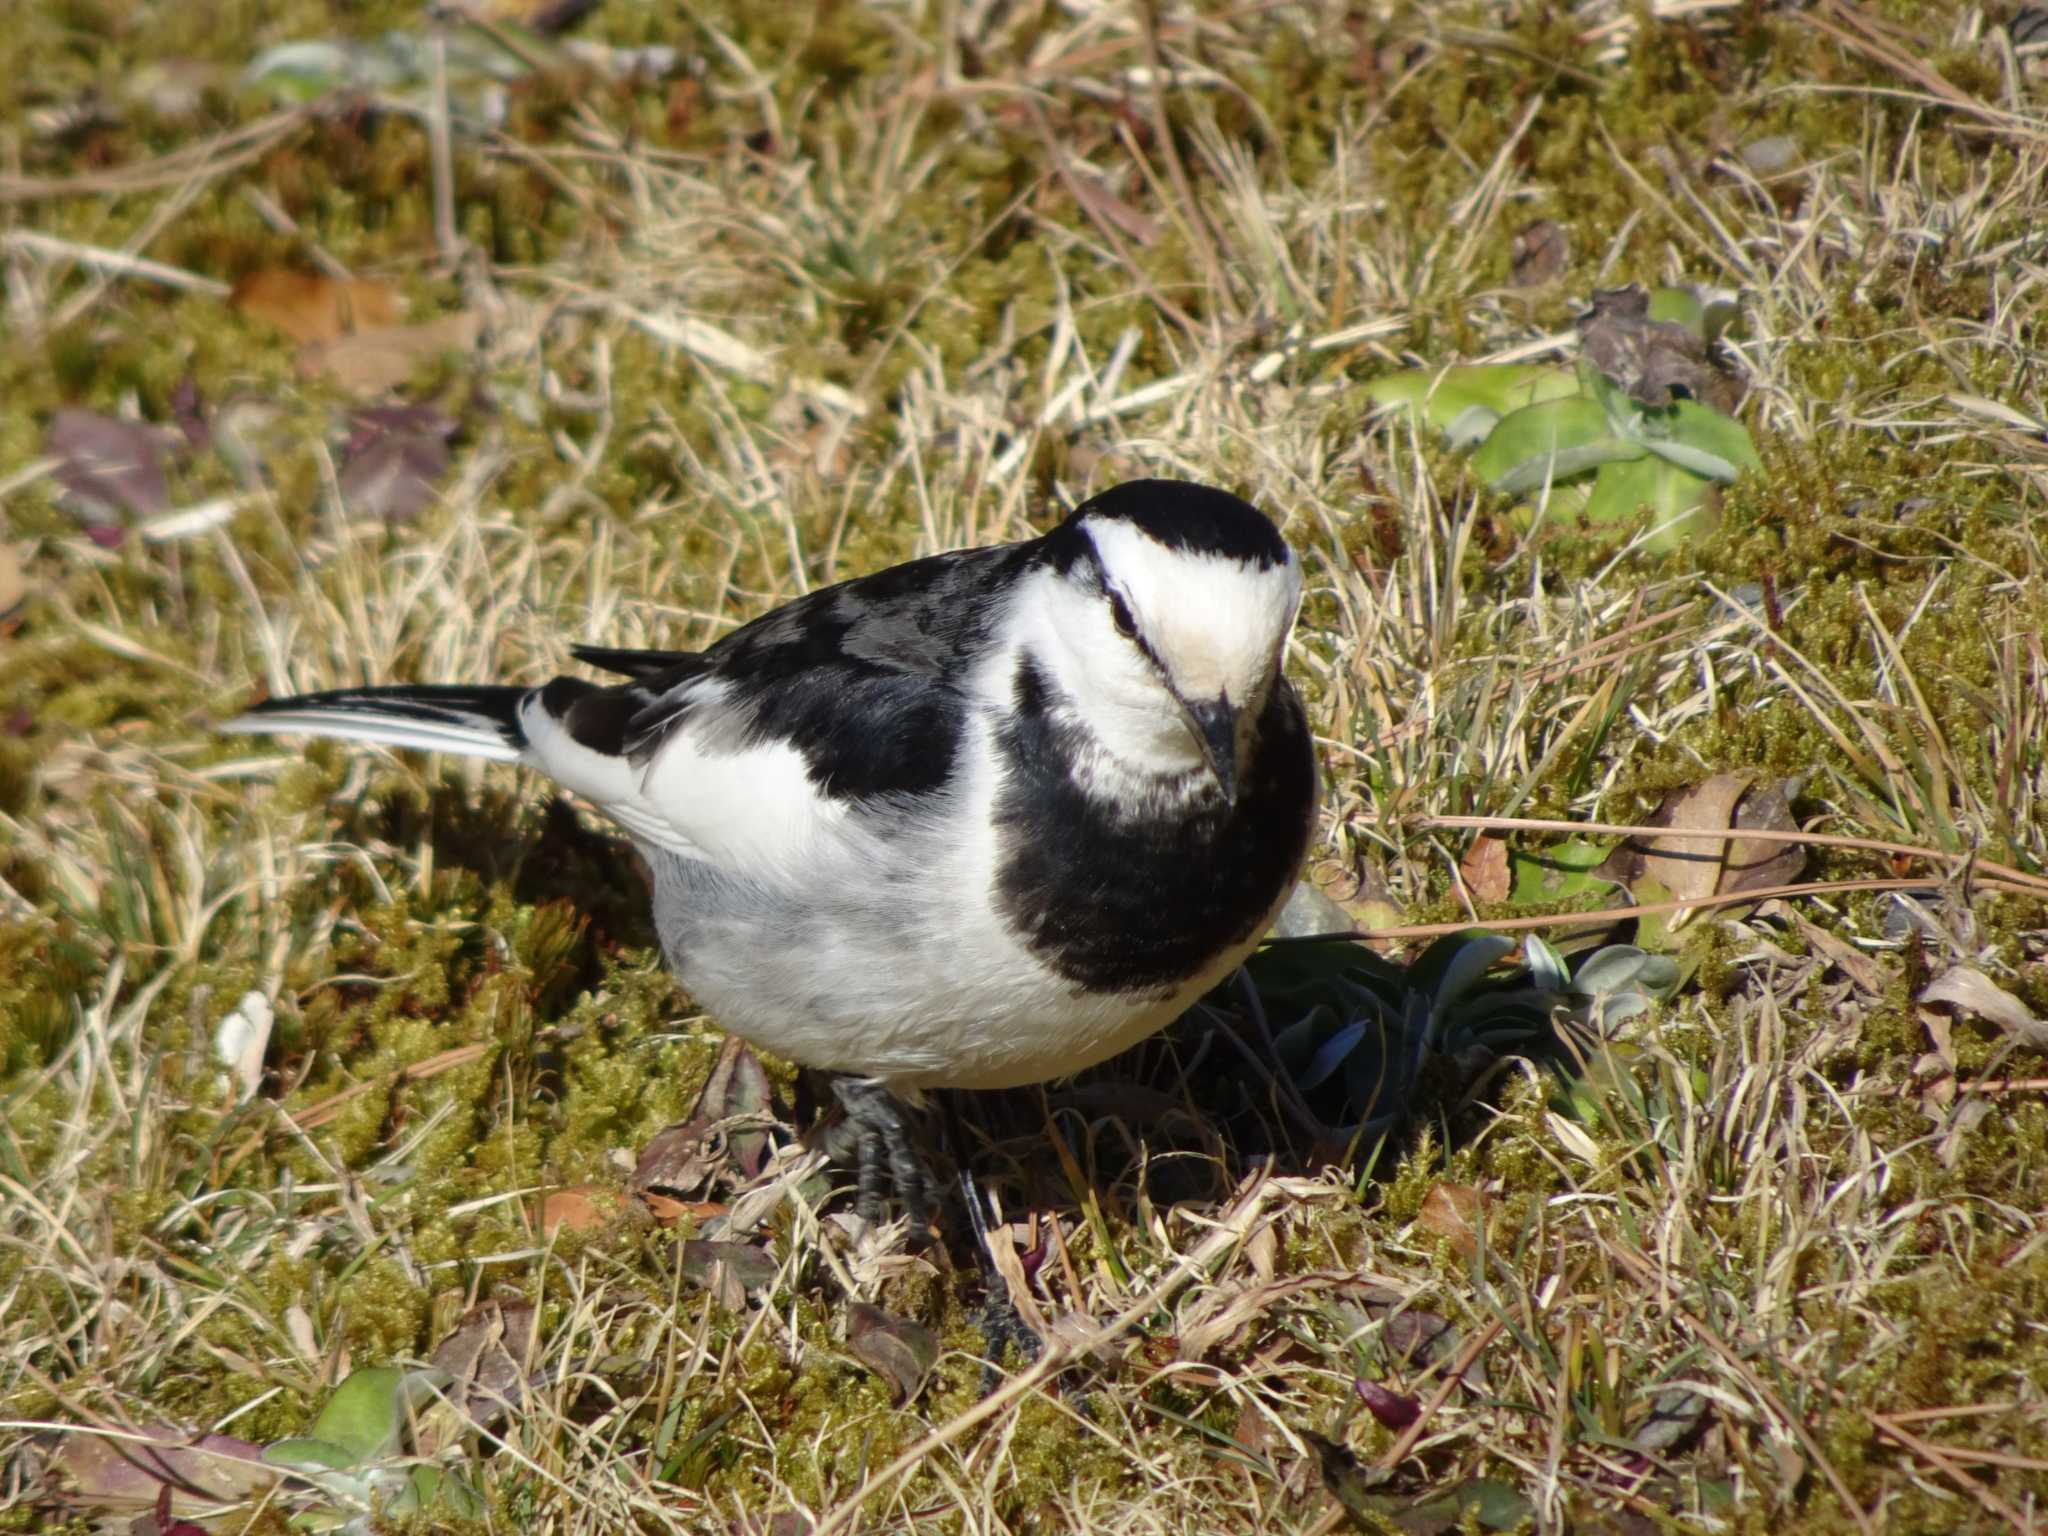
1215 723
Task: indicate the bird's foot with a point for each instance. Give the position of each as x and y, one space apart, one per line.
882 1140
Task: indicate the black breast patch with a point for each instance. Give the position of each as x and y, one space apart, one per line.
1131 904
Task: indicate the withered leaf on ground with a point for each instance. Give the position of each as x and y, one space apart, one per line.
1653 360
727 1269
1454 1212
129 1470
1538 253
1969 989
486 1357
311 307
1396 1410
369 362
1485 868
579 1208
1675 1416
681 1160
1691 868
896 1349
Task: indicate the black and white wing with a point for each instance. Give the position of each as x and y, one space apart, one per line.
740 754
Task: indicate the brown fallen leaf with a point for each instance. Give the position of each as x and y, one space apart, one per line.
369 362
311 307
681 1160
1651 359
1753 864
896 1349
579 1208
128 1469
1538 253
394 456
1484 868
1453 1212
1396 1410
486 1356
1690 868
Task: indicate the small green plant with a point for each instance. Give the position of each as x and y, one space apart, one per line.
1629 427
354 1455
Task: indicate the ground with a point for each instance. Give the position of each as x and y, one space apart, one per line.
810 289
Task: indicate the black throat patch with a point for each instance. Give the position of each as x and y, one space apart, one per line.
1135 902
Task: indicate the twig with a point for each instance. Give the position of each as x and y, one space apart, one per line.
1650 909
119 263
1734 834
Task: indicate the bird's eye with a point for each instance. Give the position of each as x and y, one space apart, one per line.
1120 615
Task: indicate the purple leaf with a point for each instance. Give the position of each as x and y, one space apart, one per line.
108 464
1396 1410
131 1471
393 457
188 410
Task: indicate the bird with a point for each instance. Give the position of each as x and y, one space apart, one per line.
975 821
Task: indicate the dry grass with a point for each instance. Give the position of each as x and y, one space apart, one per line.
902 278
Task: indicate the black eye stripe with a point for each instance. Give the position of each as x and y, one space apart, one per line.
1120 614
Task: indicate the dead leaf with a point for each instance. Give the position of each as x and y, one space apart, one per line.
1454 1212
724 1132
486 1356
896 1349
1690 868
1967 988
1004 1244
161 1522
1753 864
1651 359
188 411
728 1270
1676 1415
130 1468
1861 970
310 307
109 464
369 362
1537 254
393 458
579 1208
1484 868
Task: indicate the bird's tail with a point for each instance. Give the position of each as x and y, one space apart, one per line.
480 721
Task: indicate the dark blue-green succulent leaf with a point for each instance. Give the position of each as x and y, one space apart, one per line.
1467 959
1547 970
1329 1055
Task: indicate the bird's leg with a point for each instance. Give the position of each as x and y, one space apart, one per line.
882 1130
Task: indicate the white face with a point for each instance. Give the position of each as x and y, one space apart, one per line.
1203 631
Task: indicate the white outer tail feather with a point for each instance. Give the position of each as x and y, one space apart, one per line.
356 724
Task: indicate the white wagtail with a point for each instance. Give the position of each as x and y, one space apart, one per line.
975 821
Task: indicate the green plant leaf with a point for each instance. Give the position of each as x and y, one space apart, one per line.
1544 877
1698 435
1623 490
307 1451
1550 441
1441 396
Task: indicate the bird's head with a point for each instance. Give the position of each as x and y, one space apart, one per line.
1158 621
